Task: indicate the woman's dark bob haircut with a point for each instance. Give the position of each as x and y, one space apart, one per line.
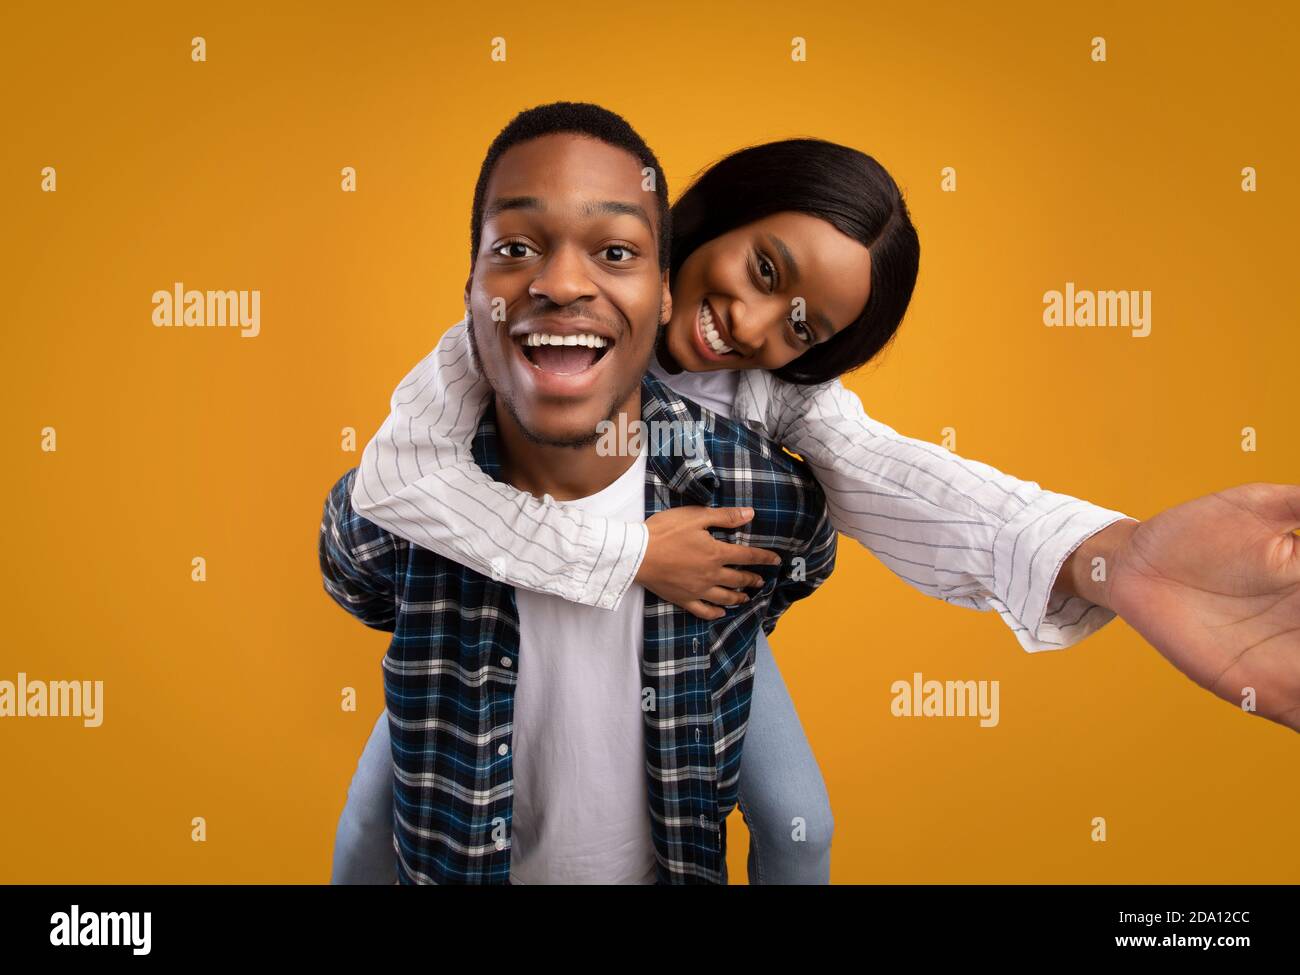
846 188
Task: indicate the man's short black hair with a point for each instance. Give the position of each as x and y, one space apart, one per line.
584 119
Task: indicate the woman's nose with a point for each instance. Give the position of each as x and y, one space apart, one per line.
747 332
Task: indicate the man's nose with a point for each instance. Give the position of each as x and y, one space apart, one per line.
563 277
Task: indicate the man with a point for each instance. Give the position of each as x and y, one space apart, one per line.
536 740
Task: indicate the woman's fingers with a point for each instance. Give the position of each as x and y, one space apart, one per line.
735 579
725 597
732 554
724 517
703 610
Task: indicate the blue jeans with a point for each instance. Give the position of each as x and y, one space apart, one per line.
782 797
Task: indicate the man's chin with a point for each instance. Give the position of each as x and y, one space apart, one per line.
562 431
565 437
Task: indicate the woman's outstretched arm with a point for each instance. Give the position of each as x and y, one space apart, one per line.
1213 584
953 528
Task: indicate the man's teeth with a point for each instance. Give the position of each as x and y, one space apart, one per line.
545 338
711 333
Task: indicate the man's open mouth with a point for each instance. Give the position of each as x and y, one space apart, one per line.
564 355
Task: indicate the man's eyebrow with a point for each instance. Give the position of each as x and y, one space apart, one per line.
592 209
618 207
504 203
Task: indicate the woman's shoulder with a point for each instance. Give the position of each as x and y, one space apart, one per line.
777 404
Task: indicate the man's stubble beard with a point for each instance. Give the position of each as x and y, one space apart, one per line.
532 436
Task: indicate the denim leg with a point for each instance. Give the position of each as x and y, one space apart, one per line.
363 845
780 782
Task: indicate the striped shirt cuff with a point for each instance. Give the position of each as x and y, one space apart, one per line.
1028 553
604 583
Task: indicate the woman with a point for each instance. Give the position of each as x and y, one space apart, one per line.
792 263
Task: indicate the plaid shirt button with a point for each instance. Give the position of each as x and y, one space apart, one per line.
502 748
505 662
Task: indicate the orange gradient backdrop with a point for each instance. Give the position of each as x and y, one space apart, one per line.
222 698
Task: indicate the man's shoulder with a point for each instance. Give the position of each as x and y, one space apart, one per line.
353 525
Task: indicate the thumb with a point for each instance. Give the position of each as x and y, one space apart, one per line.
1278 505
727 517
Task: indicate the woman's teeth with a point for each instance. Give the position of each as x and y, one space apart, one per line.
544 338
710 332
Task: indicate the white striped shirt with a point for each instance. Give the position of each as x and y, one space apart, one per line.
953 528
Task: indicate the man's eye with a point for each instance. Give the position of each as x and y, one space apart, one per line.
516 248
618 253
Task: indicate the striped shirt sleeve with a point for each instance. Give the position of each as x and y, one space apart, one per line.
418 479
953 528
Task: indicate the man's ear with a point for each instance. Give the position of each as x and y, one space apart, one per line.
665 302
468 281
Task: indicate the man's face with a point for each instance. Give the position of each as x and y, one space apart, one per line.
566 295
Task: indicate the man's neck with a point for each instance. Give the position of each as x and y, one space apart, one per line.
565 473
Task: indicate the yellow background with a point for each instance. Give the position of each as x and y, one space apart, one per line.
222 698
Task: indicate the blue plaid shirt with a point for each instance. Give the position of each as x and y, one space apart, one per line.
451 700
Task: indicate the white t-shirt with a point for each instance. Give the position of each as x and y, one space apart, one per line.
581 804
715 390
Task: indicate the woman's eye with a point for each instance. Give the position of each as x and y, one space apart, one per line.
618 253
766 270
517 249
802 331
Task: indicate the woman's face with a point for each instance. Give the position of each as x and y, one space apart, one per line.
763 294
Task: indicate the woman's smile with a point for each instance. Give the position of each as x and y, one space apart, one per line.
712 336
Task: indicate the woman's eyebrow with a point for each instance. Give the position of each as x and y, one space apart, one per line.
787 258
821 323
818 321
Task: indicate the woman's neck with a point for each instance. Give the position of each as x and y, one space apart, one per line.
665 357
